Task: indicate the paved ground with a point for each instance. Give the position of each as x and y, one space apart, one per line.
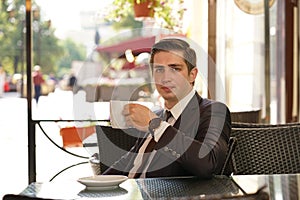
13 142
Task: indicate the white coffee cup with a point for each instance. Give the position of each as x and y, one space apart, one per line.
117 120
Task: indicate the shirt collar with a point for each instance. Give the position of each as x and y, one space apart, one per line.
180 106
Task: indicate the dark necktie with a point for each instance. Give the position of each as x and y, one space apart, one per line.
152 142
167 115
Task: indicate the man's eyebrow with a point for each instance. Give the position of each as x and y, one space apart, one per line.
157 65
175 65
169 65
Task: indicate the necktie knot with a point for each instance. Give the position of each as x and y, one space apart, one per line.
168 114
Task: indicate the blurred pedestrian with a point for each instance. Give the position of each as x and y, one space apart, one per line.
72 81
52 82
2 80
53 78
37 82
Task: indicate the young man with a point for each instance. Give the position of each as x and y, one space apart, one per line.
193 141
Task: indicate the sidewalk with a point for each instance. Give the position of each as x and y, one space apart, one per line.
14 139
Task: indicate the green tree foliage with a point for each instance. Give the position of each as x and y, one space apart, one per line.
52 54
7 37
127 22
46 49
73 51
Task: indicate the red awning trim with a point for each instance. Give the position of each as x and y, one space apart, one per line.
138 45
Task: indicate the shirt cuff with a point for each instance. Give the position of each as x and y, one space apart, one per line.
160 130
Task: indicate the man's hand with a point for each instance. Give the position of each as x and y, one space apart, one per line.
138 116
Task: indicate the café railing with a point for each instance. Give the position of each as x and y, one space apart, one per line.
32 150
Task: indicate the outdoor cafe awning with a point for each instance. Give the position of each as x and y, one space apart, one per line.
137 46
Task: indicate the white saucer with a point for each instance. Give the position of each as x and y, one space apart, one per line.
101 188
102 181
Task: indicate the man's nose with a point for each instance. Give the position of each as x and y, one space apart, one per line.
167 75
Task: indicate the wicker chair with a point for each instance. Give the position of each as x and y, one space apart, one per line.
260 125
251 116
228 166
267 150
113 144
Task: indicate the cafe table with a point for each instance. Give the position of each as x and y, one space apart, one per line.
219 187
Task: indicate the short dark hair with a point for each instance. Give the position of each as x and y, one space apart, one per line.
175 44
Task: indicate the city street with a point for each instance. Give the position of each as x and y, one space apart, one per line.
14 139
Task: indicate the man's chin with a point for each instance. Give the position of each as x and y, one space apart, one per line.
169 96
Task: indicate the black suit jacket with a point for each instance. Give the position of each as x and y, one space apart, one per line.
196 145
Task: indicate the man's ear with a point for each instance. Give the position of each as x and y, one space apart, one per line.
193 75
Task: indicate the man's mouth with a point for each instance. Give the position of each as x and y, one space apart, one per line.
166 89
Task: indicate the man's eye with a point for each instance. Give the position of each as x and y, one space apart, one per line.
159 69
175 69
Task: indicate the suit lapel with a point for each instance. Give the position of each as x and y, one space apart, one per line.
190 117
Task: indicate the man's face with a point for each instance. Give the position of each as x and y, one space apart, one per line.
171 76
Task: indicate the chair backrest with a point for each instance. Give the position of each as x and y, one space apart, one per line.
228 167
251 116
260 125
114 143
268 150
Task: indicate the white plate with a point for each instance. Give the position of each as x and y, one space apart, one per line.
102 180
101 188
